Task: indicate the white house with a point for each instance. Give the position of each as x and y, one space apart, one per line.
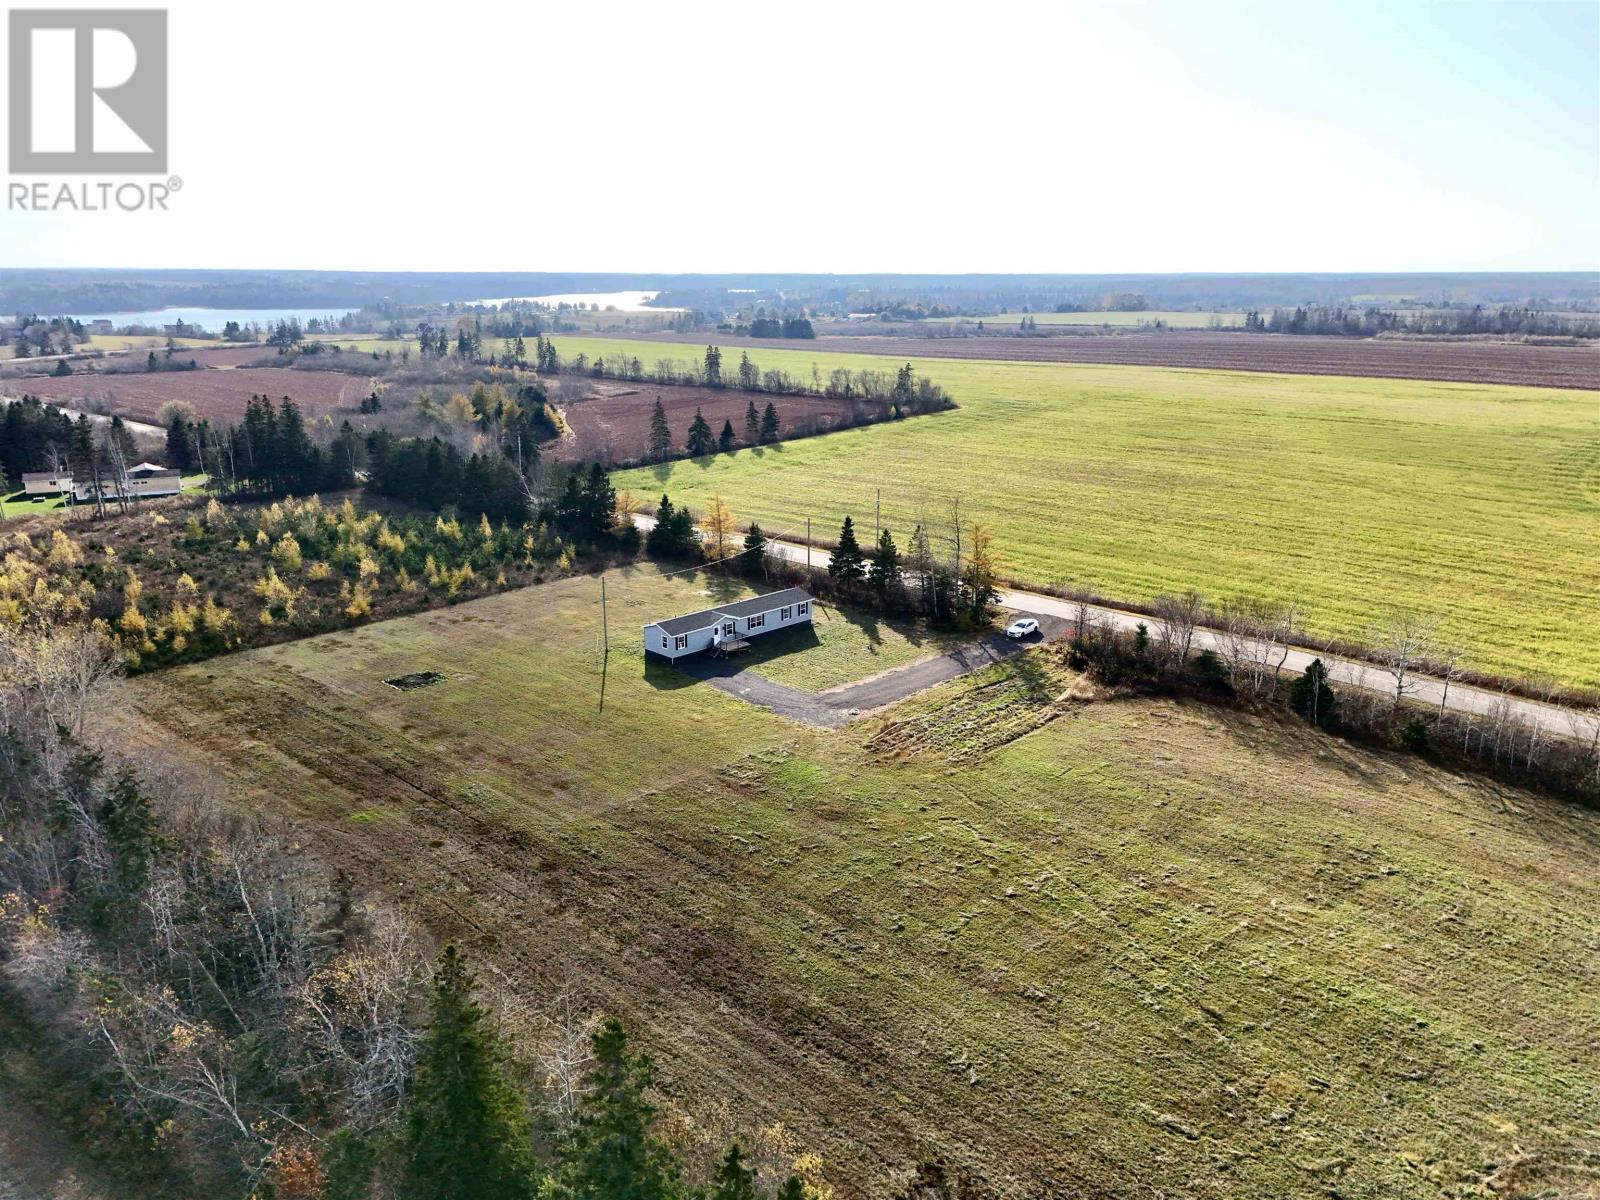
710 628
146 479
46 483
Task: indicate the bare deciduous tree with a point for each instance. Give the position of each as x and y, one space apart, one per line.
1180 616
1402 641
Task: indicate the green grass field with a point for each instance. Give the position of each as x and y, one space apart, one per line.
1478 503
1041 940
1120 320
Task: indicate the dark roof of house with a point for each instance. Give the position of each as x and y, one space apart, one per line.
690 622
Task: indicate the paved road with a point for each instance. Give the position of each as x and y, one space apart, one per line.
1551 718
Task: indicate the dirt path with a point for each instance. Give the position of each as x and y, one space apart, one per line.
838 706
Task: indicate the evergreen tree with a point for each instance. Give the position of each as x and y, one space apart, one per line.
755 550
733 1180
1311 697
599 503
466 1134
769 424
699 442
130 826
658 542
181 452
848 564
883 576
725 438
792 1189
660 434
611 1153
713 371
752 424
749 376
62 368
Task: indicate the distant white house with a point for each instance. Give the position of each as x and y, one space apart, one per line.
728 625
46 483
146 479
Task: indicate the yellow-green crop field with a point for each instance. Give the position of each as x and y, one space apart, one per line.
1477 503
1054 942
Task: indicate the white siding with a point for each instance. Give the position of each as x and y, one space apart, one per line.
701 639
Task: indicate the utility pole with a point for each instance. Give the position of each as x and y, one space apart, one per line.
877 519
808 547
605 625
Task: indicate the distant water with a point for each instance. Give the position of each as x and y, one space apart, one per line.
621 301
212 319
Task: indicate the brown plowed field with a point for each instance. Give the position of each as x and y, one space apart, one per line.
614 421
1464 362
216 395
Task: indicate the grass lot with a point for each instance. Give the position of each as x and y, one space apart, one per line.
1481 503
123 341
1177 320
842 646
1241 957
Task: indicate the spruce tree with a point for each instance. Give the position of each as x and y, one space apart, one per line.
752 424
658 542
610 1153
755 550
660 435
1311 697
699 442
769 424
466 1134
725 438
792 1189
733 1180
883 576
848 564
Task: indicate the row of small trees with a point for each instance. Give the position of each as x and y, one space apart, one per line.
959 592
1240 649
902 388
760 429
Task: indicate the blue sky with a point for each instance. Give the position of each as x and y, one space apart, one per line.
1066 136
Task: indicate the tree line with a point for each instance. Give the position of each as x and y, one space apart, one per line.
1479 320
1247 664
956 590
207 1010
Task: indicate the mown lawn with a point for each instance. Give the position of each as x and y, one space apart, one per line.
1480 504
1059 944
842 646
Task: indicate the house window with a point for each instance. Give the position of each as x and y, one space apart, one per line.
755 622
663 641
681 642
728 628
786 614
805 607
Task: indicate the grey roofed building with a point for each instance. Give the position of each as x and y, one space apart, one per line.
708 617
676 636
